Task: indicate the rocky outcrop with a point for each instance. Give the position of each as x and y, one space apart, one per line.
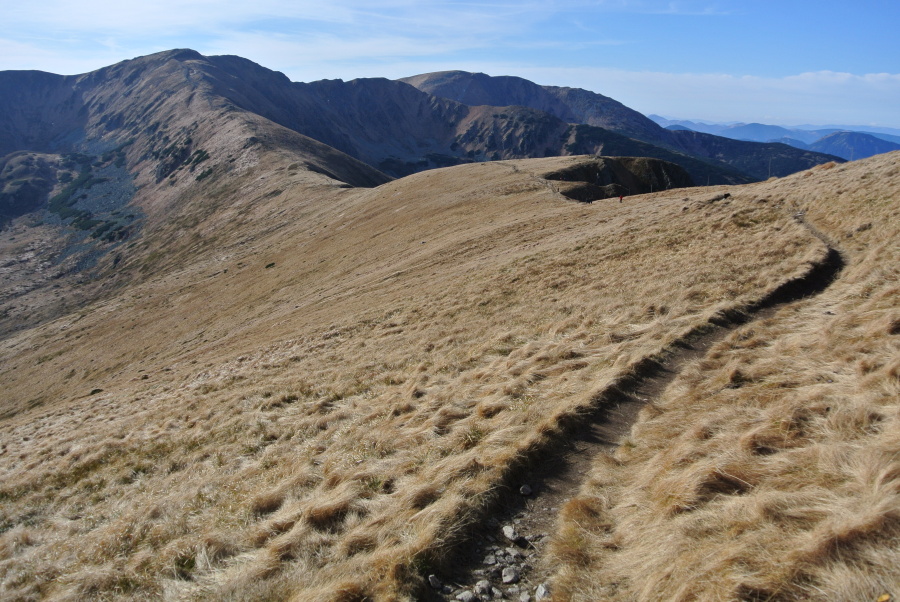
607 177
25 182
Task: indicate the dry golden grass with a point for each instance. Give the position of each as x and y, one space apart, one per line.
324 419
770 470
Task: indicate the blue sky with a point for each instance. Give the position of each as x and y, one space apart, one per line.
771 61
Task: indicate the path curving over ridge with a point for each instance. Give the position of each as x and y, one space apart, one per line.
556 472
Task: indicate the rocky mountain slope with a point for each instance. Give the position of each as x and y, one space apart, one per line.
102 169
119 160
572 105
401 130
26 180
575 105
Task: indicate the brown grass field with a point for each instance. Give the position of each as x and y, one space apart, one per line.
771 469
315 394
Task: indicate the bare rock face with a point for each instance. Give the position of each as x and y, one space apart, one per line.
510 575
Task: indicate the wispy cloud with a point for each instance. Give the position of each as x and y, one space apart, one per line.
655 7
346 29
814 97
326 55
640 52
170 17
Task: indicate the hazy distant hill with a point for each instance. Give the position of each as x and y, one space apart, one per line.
889 137
754 132
757 132
850 144
792 142
696 126
853 145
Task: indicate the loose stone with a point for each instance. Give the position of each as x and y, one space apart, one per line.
483 587
510 575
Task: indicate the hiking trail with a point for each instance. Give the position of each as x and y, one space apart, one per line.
494 567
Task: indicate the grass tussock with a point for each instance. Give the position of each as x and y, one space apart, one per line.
331 428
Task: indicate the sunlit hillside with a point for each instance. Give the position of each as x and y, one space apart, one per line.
330 400
769 469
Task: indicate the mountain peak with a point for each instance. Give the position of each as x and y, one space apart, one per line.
176 54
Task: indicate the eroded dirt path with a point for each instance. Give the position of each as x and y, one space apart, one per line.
504 558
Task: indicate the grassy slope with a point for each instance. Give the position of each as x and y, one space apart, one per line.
326 426
770 468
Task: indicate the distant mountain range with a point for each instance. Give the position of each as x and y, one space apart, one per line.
111 169
847 142
145 120
590 111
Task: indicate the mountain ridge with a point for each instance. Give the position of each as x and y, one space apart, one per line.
400 130
163 132
592 109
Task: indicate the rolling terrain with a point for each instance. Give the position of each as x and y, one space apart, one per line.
279 373
89 162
